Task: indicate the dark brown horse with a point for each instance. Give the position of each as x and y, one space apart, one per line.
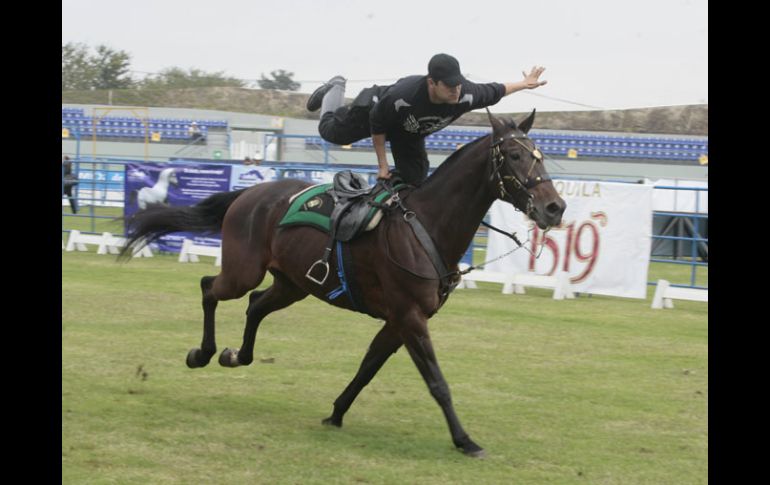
399 282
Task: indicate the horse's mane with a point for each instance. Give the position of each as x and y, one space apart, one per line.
446 164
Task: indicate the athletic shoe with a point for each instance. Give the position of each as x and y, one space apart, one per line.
315 99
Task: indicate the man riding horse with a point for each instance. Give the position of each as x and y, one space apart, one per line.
400 281
406 112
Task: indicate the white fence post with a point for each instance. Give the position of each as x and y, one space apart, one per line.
665 294
190 252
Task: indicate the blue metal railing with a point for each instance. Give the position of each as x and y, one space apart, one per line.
698 244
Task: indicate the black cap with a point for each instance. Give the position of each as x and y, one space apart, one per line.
445 68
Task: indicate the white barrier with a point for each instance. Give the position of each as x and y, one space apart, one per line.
665 293
515 283
106 242
190 252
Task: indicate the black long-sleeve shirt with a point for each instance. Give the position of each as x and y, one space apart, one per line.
404 109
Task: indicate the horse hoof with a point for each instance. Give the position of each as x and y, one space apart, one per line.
480 453
472 449
330 421
229 358
194 359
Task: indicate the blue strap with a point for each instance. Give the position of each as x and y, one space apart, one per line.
343 288
341 273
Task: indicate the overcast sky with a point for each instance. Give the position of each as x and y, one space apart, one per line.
598 54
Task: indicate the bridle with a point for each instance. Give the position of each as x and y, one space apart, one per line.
498 160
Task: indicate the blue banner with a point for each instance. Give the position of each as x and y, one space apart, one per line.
178 184
183 184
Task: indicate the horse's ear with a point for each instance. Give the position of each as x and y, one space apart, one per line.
527 123
498 127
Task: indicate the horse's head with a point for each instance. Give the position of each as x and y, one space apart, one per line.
518 171
168 175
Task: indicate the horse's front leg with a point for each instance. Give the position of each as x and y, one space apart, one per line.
261 303
200 357
385 344
417 341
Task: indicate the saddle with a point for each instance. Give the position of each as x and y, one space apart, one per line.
357 208
352 195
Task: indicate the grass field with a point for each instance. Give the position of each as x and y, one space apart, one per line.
93 219
595 390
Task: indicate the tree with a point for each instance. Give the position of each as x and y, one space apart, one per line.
282 80
112 69
76 72
176 77
106 69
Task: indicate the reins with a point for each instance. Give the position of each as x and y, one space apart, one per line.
515 239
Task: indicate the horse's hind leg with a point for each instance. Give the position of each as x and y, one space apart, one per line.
385 343
201 356
261 303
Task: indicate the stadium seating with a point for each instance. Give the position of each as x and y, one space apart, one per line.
78 123
559 144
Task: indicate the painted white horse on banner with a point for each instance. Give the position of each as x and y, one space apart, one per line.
158 193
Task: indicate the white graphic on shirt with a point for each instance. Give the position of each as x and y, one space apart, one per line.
430 124
425 125
400 103
411 125
468 98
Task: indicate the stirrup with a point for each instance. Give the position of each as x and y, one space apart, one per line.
326 275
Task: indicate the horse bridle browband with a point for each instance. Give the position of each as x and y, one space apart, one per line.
498 159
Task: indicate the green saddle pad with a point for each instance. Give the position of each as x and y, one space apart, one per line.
313 207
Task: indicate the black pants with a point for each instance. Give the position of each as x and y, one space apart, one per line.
68 192
348 125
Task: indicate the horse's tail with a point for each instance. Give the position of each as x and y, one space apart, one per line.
147 225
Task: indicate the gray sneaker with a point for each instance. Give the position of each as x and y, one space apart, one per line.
314 101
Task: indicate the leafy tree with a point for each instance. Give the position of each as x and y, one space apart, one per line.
112 69
176 77
106 69
282 80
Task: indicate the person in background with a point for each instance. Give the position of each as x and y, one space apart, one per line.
68 181
194 131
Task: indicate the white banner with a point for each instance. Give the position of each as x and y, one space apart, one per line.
603 242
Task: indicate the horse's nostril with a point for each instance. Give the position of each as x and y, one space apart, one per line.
553 208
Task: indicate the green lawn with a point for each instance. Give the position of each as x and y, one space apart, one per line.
92 219
594 390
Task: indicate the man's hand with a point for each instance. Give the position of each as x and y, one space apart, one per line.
531 79
383 174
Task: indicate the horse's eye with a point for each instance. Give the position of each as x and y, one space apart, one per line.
515 156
